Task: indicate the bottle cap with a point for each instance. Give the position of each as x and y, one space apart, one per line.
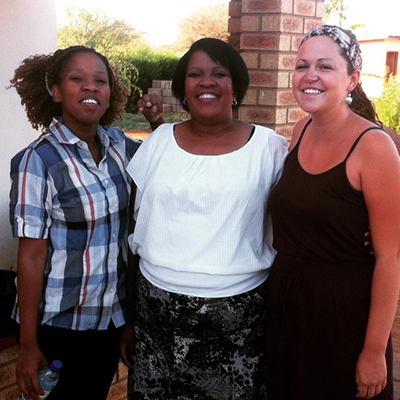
56 365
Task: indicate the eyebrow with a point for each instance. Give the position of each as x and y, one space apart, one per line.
79 69
319 59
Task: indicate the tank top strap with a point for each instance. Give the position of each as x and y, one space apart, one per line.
358 139
302 133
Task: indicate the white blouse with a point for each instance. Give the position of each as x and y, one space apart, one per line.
204 215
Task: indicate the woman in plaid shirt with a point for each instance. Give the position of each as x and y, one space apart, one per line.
69 201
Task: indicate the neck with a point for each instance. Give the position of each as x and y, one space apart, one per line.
86 133
330 124
202 129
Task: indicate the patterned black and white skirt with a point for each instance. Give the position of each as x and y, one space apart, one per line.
190 348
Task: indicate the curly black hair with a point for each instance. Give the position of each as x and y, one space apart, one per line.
38 71
220 52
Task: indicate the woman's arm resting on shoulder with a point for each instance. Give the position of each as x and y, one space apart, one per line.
380 181
32 254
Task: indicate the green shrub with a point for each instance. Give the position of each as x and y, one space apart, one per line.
137 122
388 105
149 65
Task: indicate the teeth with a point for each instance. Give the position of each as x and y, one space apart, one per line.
89 101
312 91
207 96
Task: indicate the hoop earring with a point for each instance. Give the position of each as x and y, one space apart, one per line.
184 102
235 103
348 100
46 81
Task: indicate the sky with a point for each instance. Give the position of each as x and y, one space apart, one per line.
159 19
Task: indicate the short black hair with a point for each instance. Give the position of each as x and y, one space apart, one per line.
220 52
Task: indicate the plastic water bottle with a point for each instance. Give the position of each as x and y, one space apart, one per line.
48 378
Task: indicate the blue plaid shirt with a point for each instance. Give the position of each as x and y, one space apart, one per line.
58 193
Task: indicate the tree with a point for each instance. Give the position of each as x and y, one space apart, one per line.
115 39
96 29
388 105
209 21
335 8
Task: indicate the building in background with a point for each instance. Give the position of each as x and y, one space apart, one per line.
380 61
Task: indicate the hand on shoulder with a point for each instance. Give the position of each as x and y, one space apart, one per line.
151 107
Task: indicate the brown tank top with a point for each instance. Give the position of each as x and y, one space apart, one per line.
319 216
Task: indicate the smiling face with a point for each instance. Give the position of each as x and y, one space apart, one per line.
208 88
321 81
84 92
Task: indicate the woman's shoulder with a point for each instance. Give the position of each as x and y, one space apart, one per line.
260 129
157 140
160 131
45 139
373 145
271 138
297 130
372 135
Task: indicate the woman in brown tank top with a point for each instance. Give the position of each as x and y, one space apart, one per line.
331 304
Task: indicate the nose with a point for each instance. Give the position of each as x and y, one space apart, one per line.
311 74
90 85
207 80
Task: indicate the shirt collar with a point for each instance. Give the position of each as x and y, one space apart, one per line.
64 135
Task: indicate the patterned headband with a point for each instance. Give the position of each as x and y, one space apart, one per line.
345 39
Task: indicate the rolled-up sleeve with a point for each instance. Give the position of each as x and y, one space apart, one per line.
30 196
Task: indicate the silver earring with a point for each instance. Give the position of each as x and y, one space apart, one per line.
348 100
234 104
46 81
184 102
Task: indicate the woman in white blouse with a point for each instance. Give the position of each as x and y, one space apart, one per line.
201 247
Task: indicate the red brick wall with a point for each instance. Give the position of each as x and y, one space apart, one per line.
267 33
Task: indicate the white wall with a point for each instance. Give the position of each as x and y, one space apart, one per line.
27 27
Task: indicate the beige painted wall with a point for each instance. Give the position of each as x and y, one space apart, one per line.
374 63
26 27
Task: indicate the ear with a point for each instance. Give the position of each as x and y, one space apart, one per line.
56 93
354 79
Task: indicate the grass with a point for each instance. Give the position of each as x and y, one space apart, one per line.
138 123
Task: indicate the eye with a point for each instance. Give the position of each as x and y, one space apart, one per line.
102 81
194 74
76 78
325 66
220 74
301 66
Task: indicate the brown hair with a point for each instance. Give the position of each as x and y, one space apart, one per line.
361 104
38 72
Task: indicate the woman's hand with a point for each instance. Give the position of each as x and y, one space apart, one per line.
126 344
371 374
29 361
151 107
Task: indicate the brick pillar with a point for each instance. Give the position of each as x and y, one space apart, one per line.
267 33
